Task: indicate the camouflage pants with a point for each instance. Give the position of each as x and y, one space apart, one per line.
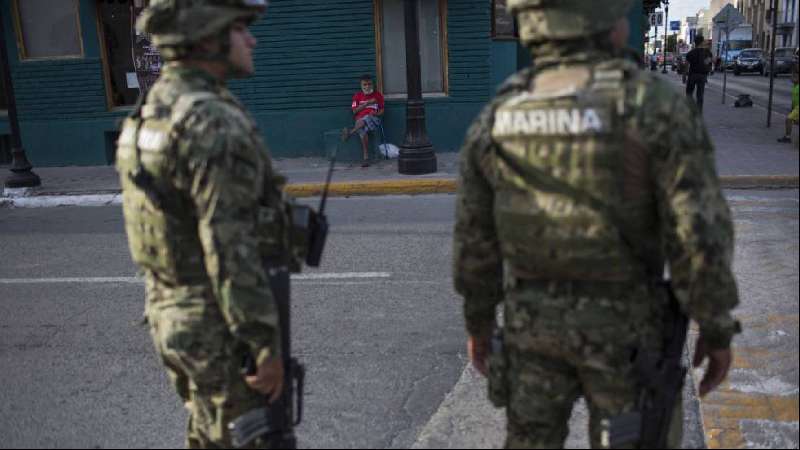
567 340
203 362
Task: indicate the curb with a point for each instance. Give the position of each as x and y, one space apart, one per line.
390 187
362 188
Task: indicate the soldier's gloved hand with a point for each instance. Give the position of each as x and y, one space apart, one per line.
478 348
719 362
268 379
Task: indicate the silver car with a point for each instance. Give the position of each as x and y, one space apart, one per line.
784 61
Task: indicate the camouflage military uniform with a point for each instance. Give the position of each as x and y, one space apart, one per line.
203 209
578 183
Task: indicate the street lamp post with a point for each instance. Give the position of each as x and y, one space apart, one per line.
772 61
21 174
666 33
417 156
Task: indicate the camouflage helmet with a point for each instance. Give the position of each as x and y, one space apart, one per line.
181 23
554 20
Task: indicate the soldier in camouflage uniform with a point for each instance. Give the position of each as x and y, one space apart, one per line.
579 182
203 210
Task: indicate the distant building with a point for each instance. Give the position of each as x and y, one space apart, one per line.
759 14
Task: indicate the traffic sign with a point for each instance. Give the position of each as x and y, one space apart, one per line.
657 19
675 25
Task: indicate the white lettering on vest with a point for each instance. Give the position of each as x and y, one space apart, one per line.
151 139
548 122
591 121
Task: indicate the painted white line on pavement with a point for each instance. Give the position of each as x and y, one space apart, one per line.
137 280
88 280
50 201
341 276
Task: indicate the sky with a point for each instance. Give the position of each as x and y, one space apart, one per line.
680 9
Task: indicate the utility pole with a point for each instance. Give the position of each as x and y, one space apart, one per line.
22 175
772 61
666 33
417 156
726 46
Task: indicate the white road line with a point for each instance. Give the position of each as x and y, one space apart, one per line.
137 280
341 276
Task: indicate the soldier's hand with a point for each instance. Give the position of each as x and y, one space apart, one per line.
478 350
268 379
719 362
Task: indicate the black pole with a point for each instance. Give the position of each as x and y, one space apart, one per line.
21 174
726 46
666 33
772 61
417 156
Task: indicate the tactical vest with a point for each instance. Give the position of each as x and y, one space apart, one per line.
569 179
160 220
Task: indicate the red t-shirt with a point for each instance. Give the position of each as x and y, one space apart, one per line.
360 98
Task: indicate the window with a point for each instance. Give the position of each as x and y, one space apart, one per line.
503 25
392 46
131 62
48 28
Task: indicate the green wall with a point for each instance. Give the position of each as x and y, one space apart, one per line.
310 56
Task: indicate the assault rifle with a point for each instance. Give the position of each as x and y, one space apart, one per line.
275 422
661 376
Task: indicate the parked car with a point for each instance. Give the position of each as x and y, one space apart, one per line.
749 60
661 59
784 61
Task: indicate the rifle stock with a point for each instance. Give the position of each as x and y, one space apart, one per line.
661 377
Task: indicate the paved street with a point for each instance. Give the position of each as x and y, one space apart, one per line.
384 344
757 87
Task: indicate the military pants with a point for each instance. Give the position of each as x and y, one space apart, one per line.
203 362
567 340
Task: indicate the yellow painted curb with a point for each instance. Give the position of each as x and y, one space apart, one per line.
448 186
388 187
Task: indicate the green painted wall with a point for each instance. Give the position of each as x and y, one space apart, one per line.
310 56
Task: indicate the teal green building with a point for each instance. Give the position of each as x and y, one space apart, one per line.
78 66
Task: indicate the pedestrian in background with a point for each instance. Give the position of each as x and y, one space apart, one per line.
794 116
700 62
578 183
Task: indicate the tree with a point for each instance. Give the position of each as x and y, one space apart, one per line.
672 43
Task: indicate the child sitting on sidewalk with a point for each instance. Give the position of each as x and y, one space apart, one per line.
367 108
793 117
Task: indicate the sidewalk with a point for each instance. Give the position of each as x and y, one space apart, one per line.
97 185
748 156
743 144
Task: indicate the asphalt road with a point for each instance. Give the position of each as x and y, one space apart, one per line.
78 371
383 351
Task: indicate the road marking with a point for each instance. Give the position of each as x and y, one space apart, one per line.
137 280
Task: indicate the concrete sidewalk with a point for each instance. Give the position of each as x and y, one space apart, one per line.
744 145
747 153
